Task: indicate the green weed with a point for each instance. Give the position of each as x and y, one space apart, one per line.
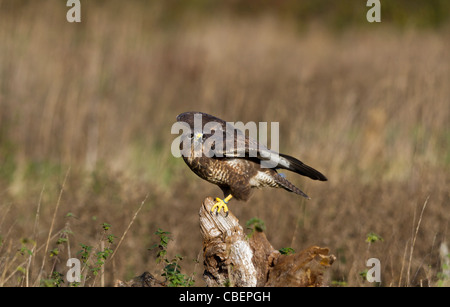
172 268
255 224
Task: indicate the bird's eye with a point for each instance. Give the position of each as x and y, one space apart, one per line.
190 136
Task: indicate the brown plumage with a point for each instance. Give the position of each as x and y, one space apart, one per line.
223 155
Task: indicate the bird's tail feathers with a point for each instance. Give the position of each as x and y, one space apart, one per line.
285 184
297 166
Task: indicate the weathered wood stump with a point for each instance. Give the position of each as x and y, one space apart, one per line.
233 259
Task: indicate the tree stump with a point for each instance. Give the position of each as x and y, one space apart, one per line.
233 259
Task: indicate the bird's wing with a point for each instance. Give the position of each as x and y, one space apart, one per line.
237 145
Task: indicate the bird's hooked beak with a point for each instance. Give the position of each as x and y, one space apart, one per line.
197 141
198 137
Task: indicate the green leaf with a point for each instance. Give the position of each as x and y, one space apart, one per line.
106 226
373 237
61 240
287 250
54 252
256 224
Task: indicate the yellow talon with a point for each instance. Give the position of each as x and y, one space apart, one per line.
221 203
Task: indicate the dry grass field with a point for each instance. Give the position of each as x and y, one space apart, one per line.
85 117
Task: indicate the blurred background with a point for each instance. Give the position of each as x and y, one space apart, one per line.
86 110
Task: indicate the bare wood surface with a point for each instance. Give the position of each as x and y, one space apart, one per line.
226 250
232 259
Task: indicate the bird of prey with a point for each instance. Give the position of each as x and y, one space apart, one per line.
221 154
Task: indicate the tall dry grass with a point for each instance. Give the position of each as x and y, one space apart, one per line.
95 101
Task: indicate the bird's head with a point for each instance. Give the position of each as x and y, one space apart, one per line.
193 142
201 133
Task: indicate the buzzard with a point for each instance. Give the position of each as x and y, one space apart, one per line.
219 153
